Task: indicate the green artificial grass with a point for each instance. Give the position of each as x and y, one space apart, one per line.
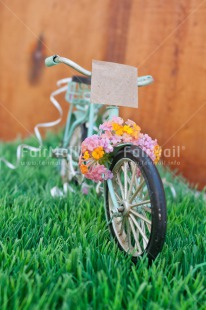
58 253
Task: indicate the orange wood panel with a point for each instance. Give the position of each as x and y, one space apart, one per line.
72 28
166 39
162 38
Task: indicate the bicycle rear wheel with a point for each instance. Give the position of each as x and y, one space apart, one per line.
139 224
74 146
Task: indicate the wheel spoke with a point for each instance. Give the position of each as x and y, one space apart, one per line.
128 234
141 190
125 180
140 203
146 196
135 236
147 209
148 225
120 185
143 229
141 216
122 227
139 228
134 171
128 177
137 190
118 198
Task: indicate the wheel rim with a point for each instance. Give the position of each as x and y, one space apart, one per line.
132 222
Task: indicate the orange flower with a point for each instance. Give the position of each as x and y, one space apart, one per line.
84 169
119 129
128 129
98 153
157 152
136 127
136 131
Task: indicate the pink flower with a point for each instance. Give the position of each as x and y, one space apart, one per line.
113 139
118 120
90 143
96 141
85 190
129 122
127 138
99 173
106 126
105 143
147 144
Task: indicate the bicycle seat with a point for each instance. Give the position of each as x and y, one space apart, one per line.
81 79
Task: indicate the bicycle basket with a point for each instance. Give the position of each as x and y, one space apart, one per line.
78 91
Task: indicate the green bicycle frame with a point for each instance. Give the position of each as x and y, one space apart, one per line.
86 112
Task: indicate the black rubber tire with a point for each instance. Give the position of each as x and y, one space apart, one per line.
157 197
83 137
84 131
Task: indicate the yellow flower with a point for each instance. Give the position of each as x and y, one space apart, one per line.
98 153
120 132
128 129
136 131
84 169
116 126
119 129
157 152
86 155
135 134
136 127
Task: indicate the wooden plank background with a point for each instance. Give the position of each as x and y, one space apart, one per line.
166 39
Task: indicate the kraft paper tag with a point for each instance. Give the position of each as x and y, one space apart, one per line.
114 84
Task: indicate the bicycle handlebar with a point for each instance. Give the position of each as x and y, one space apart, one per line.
55 59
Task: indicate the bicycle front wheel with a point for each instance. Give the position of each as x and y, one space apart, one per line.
139 224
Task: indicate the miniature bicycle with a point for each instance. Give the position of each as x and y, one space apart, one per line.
135 204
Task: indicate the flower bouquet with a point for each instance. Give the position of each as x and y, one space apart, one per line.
96 151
